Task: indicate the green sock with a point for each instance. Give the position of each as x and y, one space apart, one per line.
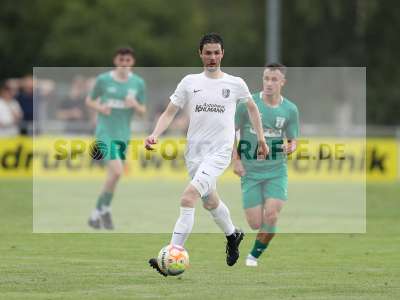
268 228
258 249
104 200
108 198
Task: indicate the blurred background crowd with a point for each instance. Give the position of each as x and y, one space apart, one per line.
31 106
16 106
311 33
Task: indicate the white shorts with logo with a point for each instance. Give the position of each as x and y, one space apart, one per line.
204 173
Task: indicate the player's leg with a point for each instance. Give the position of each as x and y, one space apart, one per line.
274 192
221 215
267 231
202 185
252 198
184 224
254 216
252 201
102 212
205 180
220 212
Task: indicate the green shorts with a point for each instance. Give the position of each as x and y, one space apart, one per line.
256 191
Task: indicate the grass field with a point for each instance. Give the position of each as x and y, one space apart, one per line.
149 206
114 266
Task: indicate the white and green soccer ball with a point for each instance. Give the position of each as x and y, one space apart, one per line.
173 260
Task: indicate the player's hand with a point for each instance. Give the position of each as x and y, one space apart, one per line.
149 141
262 150
104 109
238 168
131 102
289 148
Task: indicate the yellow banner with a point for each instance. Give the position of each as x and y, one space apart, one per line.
320 159
345 160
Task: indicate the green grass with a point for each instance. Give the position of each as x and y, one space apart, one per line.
114 266
152 207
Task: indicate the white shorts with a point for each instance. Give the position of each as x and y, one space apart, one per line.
204 173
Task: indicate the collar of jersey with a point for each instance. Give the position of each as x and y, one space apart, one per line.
113 78
204 74
280 103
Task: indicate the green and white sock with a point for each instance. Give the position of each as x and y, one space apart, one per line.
105 209
258 249
104 200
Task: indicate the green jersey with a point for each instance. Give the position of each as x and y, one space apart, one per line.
116 126
278 123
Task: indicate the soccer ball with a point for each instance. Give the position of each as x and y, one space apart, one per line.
173 260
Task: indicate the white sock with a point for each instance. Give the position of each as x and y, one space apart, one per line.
222 218
183 226
105 209
95 214
251 257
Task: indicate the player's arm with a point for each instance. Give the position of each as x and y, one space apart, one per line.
136 105
93 99
290 146
97 106
292 132
254 116
238 168
162 124
136 102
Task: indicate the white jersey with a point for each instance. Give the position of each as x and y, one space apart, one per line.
212 106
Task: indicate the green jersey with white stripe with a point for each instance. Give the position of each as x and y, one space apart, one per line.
116 126
279 122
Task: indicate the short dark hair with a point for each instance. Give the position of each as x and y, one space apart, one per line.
211 38
124 51
277 66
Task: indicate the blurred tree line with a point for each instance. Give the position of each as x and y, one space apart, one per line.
166 33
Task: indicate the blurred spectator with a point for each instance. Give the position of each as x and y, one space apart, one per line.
72 109
10 111
25 100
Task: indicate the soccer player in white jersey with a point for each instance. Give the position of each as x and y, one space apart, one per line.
211 97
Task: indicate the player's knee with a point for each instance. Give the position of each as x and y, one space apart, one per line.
188 198
210 203
187 201
271 217
255 224
207 205
117 172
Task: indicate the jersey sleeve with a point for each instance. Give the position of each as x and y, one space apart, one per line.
180 97
243 92
240 115
142 92
97 90
292 130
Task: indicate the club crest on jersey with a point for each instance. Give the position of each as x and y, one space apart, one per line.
226 93
279 122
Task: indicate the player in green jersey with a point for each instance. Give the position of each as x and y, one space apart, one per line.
264 182
116 97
